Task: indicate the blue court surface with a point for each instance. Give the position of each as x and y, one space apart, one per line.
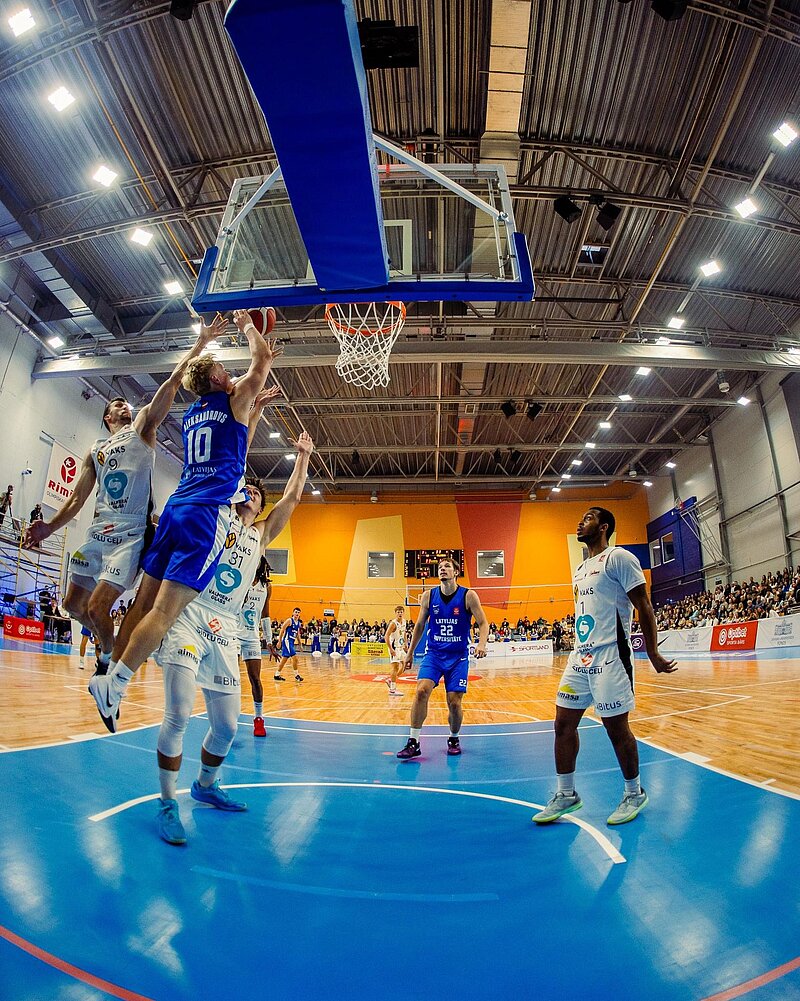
355 875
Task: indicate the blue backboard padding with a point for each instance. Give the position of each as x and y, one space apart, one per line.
302 59
406 290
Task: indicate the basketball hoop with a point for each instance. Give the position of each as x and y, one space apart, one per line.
366 333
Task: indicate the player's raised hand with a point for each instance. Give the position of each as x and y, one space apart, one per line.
274 347
242 319
213 330
263 398
304 443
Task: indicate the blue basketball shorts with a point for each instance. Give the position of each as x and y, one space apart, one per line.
454 672
188 544
287 648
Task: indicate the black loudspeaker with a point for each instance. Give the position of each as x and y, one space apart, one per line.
567 209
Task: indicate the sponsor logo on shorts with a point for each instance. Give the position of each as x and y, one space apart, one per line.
568 693
226 682
608 706
214 625
587 670
586 659
112 540
79 559
109 569
212 637
190 652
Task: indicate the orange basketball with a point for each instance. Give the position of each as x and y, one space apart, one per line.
263 319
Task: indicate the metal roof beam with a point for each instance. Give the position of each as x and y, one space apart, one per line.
324 355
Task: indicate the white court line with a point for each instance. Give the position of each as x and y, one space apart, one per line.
719 771
696 759
403 726
597 835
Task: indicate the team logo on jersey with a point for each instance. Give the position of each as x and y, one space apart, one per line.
584 625
115 484
101 457
227 579
231 540
249 617
455 610
575 592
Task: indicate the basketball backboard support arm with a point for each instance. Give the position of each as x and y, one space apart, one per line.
254 199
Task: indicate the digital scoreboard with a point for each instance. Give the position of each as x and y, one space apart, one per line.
424 563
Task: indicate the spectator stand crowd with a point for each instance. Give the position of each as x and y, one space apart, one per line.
775 594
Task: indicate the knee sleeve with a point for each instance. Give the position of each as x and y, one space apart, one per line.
223 714
179 689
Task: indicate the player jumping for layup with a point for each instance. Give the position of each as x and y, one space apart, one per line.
607 586
450 608
194 525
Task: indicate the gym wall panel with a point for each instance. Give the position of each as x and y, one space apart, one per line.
330 542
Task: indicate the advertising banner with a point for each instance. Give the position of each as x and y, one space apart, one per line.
359 649
685 640
62 474
734 636
22 629
781 632
519 648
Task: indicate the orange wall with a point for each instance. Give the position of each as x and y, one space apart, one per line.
329 541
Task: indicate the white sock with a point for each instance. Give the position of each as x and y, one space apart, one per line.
566 783
169 783
454 733
207 775
104 657
120 678
258 708
111 665
415 733
632 786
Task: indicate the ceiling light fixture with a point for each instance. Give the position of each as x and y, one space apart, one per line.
173 287
274 434
785 134
743 401
55 341
671 464
605 425
663 341
591 444
566 476
105 175
576 462
21 22
290 456
316 491
647 483
555 490
643 370
710 268
60 98
746 207
141 236
625 397
722 383
676 322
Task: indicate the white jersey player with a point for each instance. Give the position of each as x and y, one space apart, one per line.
254 611
202 648
607 587
395 639
120 464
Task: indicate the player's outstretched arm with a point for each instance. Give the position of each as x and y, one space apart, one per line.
38 531
474 605
647 619
263 353
279 516
261 400
151 417
419 628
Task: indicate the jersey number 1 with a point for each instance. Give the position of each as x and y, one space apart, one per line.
198 445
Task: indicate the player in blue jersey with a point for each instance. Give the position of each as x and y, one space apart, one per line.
448 609
194 524
286 641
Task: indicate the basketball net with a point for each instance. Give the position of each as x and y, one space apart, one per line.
366 333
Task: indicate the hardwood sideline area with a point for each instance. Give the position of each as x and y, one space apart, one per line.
740 715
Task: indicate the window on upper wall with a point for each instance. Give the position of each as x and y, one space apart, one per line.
491 563
380 565
278 560
655 553
667 548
